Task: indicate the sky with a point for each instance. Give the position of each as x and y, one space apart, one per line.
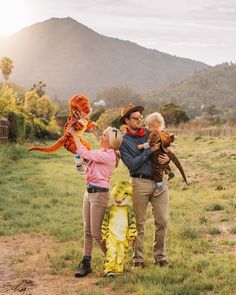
203 30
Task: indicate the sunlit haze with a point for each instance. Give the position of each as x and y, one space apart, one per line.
200 30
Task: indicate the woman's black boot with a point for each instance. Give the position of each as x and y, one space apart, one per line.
83 268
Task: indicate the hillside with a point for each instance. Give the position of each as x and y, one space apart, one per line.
70 57
212 86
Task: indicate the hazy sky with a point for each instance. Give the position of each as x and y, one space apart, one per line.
203 30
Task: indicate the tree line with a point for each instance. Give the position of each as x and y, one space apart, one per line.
33 114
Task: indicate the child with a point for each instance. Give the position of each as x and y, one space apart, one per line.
118 229
155 124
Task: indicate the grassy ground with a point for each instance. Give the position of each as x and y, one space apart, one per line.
42 194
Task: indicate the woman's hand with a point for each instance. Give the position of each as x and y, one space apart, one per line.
131 243
71 130
163 159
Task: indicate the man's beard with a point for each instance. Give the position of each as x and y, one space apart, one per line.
135 128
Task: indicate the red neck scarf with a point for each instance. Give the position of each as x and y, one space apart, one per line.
141 132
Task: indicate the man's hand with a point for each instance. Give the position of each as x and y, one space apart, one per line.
163 159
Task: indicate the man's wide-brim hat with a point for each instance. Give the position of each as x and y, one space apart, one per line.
127 110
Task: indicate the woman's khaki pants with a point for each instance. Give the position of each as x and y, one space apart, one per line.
94 207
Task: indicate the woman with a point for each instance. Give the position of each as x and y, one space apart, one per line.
96 198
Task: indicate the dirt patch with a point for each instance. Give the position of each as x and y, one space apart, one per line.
224 241
25 269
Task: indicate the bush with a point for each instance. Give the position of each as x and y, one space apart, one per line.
214 231
96 114
107 119
173 114
41 130
215 207
29 130
189 234
16 126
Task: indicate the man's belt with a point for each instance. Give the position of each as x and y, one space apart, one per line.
142 176
97 190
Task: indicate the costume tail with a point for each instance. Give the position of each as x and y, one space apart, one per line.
51 148
174 159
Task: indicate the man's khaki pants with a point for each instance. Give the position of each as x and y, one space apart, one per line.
143 190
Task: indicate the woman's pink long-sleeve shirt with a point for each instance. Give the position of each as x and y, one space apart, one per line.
100 168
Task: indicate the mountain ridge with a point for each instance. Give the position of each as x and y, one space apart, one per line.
70 57
212 86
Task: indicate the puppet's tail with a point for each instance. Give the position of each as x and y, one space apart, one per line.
177 164
51 148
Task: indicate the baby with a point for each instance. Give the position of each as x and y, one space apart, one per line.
155 124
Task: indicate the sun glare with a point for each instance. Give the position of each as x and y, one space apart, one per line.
14 15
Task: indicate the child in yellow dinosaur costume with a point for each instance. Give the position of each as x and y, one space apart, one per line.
118 229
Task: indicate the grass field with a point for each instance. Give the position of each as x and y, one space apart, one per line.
41 194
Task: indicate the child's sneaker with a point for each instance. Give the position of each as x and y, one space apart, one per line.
110 274
171 175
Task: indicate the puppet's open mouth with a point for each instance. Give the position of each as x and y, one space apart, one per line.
77 116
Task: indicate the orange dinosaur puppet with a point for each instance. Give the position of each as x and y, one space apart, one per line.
78 105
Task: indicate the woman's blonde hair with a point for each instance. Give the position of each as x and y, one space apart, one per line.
115 139
155 119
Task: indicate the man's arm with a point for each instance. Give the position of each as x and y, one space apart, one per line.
133 163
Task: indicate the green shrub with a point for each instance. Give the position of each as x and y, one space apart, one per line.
40 130
214 231
16 126
189 234
215 207
202 220
96 114
29 130
233 230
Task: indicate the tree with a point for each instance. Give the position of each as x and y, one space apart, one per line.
41 107
45 108
173 114
6 65
118 96
212 114
7 100
39 88
31 98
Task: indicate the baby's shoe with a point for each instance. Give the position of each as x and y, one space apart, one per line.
171 175
86 162
159 189
78 164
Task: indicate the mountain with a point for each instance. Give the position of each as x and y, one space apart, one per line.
69 57
212 86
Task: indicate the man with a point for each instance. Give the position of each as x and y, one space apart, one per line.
139 163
